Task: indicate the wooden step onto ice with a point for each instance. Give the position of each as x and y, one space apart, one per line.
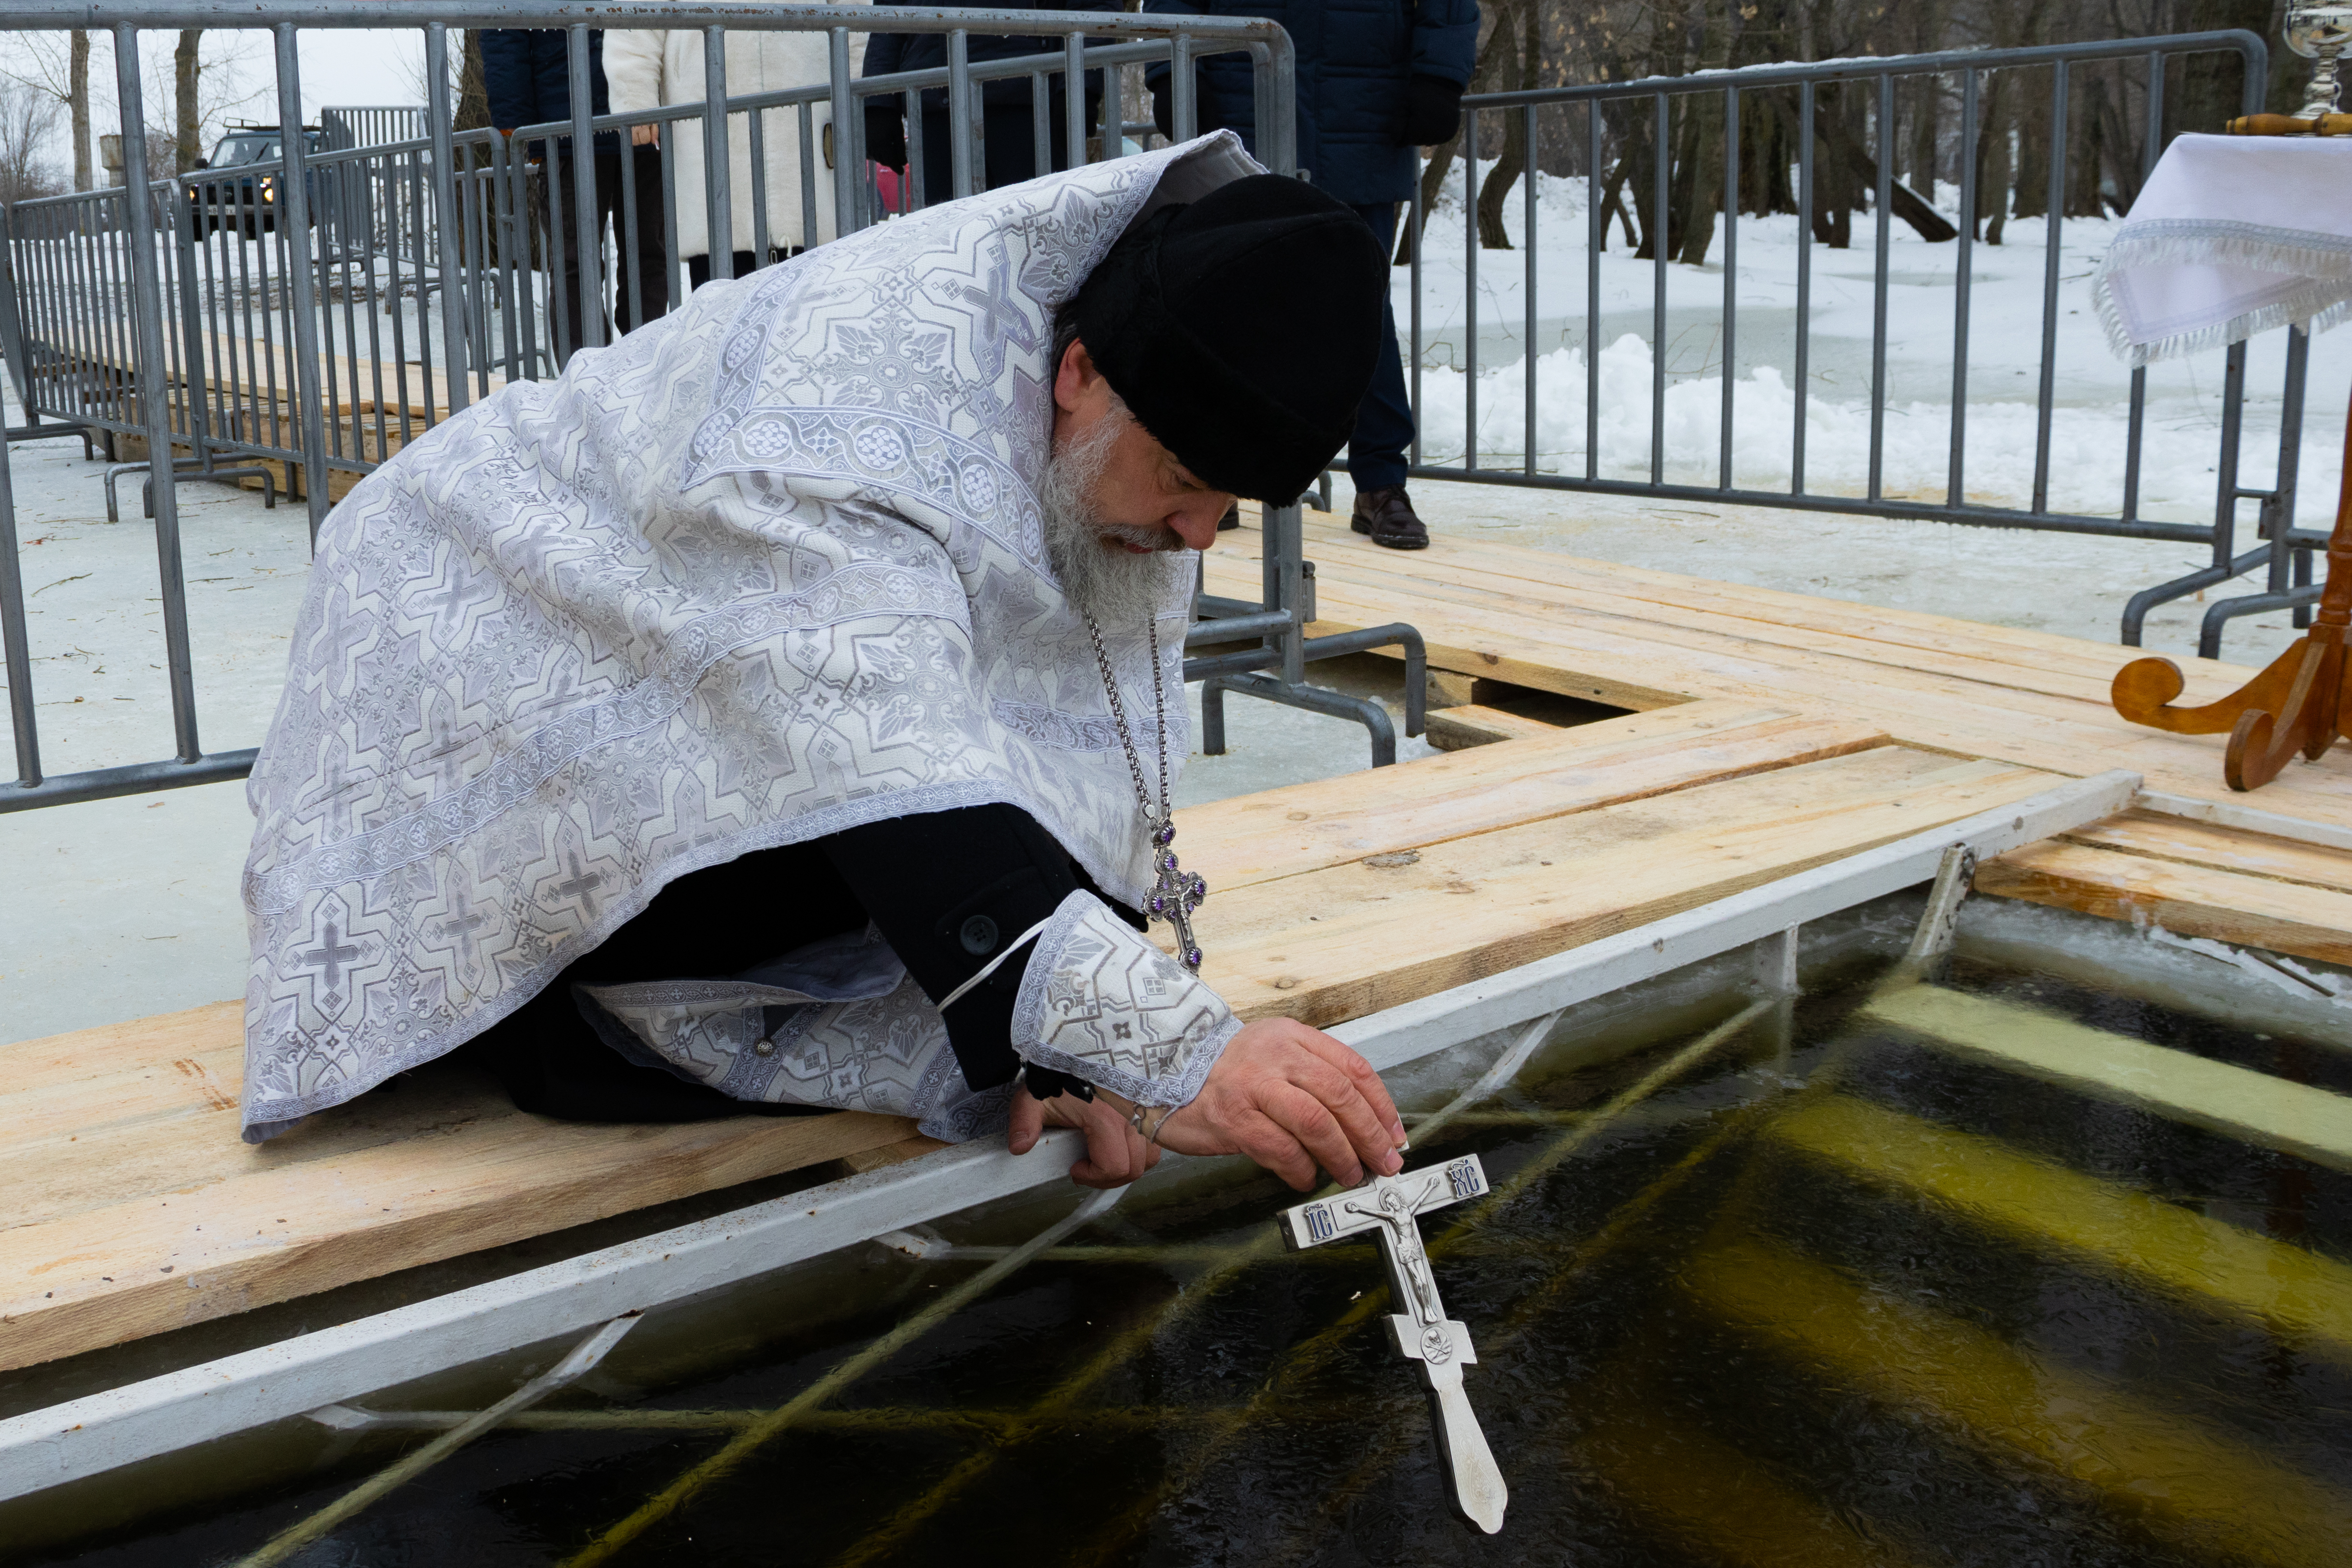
2232 884
2217 1096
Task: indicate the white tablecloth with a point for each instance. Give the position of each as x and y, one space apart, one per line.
2233 235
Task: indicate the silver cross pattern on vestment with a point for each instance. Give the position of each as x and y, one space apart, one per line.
1422 1333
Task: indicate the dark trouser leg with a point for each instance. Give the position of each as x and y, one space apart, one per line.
1376 454
1007 147
644 292
697 267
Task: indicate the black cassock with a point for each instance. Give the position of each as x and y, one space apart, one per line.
946 889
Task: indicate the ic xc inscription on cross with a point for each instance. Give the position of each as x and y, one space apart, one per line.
1391 1206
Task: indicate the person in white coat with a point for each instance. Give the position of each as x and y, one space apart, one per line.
652 69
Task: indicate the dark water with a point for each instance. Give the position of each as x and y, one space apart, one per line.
1865 1301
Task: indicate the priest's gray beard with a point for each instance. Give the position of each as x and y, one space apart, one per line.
1122 590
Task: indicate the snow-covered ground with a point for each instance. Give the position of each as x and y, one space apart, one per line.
2090 393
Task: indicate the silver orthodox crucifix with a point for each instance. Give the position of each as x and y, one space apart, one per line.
1422 1332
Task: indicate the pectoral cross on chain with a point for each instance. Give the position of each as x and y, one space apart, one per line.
1422 1332
1175 894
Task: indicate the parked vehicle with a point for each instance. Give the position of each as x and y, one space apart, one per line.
245 195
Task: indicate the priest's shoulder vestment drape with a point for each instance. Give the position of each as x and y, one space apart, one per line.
764 570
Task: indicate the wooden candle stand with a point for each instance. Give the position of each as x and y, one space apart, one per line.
2300 702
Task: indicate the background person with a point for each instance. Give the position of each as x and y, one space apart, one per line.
527 76
652 69
1007 150
1375 79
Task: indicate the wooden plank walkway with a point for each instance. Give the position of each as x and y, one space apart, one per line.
131 1207
1646 640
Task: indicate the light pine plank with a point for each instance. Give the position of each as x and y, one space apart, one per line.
2187 900
1336 943
1468 725
1255 838
2166 838
290 1226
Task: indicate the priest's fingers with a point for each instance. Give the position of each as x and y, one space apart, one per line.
1263 1139
1372 1143
1360 1074
1028 1123
1116 1153
1311 1122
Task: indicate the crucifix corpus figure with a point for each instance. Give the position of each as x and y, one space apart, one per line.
778 710
1390 1206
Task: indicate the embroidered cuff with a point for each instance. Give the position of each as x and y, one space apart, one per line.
1099 1002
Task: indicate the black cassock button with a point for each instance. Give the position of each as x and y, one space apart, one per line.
979 935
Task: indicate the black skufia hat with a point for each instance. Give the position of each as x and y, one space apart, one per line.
1242 330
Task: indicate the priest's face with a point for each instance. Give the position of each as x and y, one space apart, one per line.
1141 500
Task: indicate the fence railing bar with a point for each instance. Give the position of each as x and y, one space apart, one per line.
1529 178
1883 201
1596 235
963 178
1415 240
2054 239
1964 266
439 118
1730 206
849 137
153 384
1470 288
16 650
629 263
1661 169
1074 101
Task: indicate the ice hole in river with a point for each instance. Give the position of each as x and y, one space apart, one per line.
2046 1259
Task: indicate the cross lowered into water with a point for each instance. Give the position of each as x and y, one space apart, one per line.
1421 1332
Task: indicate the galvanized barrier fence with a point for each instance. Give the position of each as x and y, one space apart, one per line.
311 313
1619 130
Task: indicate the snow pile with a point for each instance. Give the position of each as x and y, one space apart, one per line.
2087 444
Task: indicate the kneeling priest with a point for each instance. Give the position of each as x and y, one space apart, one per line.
778 709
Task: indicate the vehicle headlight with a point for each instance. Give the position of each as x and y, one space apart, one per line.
268 187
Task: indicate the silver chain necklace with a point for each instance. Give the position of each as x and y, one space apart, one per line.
1175 893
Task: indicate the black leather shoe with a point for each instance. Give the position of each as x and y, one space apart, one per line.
1388 515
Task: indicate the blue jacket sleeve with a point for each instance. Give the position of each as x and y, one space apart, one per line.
506 77
1445 40
1156 76
883 53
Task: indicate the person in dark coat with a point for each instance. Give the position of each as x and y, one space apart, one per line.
1376 78
1008 141
527 76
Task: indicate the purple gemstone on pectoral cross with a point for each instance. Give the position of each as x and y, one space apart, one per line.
1174 896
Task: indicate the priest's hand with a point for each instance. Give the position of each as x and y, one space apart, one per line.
1116 1152
1292 1098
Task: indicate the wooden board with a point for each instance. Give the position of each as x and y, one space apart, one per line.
1255 838
2189 900
1322 946
1641 639
1460 728
131 1206
2265 855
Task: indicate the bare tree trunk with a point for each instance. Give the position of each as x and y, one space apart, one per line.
189 141
1705 144
77 101
1483 78
1517 63
1992 165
